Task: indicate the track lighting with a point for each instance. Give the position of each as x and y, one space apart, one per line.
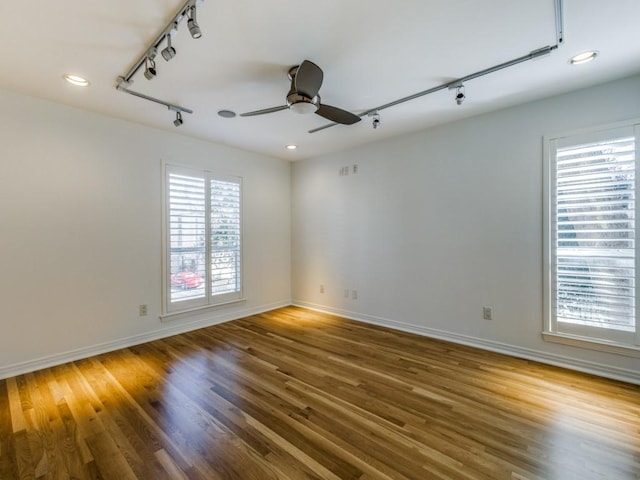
169 52
458 86
192 23
150 63
149 68
376 119
460 96
146 62
178 121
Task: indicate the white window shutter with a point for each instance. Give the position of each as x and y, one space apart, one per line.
225 237
593 258
203 230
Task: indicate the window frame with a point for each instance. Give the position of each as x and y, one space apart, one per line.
174 309
625 343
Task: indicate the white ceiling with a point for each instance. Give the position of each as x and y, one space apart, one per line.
372 52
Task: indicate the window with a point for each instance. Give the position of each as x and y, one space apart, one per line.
592 253
202 239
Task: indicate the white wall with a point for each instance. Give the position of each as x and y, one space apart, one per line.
433 226
80 219
439 223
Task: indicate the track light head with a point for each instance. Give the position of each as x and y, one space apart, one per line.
178 121
192 23
460 96
168 52
194 29
375 123
149 68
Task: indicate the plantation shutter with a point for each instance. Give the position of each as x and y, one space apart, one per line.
202 239
225 236
187 233
595 244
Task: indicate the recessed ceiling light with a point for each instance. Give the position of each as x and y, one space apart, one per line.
291 147
583 57
76 80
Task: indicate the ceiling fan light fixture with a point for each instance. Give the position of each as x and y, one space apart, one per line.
303 108
583 57
302 104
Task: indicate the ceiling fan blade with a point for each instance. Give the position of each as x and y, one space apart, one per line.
266 110
337 115
308 79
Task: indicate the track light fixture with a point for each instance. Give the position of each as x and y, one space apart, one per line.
169 52
376 119
459 88
150 68
178 121
146 62
460 96
192 23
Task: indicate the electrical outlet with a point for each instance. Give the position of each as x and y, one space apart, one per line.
354 294
321 288
142 310
487 313
355 168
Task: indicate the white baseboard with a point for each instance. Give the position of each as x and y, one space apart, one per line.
85 352
629 376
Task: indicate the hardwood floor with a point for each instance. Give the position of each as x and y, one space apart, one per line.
295 394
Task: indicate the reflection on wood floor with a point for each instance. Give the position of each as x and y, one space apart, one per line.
295 394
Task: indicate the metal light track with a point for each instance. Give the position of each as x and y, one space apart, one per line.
170 106
124 81
530 56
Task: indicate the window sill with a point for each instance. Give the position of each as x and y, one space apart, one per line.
168 317
592 344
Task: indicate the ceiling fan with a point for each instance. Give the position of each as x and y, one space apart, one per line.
306 80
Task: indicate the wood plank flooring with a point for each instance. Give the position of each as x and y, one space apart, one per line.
295 394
